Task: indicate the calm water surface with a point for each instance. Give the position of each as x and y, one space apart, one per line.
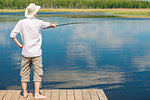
110 53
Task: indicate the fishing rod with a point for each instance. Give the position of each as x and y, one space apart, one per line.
67 24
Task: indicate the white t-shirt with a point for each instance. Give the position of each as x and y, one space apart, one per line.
30 30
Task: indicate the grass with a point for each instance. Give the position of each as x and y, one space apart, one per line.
130 12
120 12
10 10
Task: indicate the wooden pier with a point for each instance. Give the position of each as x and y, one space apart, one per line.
57 94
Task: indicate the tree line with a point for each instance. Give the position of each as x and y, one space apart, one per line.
93 4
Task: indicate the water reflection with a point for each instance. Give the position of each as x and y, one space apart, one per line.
142 62
63 14
4 34
16 60
81 79
110 33
80 51
107 53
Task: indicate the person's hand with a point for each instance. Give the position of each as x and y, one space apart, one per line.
20 46
53 25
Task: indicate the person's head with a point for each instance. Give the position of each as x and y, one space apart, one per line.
31 10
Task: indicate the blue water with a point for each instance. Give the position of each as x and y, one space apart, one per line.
109 53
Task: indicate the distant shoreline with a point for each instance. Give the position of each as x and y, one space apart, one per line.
130 13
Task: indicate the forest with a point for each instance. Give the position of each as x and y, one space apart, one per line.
71 4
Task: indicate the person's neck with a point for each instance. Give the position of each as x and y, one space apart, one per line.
32 17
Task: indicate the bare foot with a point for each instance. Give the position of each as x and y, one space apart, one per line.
40 97
25 95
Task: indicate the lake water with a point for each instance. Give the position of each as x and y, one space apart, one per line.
107 53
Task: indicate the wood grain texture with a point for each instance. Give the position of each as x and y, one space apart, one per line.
70 95
94 95
78 95
101 94
8 95
63 95
48 94
16 95
56 94
86 94
2 94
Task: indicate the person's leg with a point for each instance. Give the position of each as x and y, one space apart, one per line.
37 88
38 73
25 74
37 94
24 87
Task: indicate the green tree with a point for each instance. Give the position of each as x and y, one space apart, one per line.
21 4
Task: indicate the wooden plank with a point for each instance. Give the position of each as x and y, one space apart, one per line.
16 95
2 94
55 95
8 95
63 95
86 94
94 95
21 98
78 95
101 94
70 95
48 94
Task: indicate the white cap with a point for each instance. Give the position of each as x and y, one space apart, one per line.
31 10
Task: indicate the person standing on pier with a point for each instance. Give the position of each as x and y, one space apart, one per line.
30 31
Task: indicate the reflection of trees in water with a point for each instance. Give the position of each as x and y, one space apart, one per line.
10 18
15 17
82 16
